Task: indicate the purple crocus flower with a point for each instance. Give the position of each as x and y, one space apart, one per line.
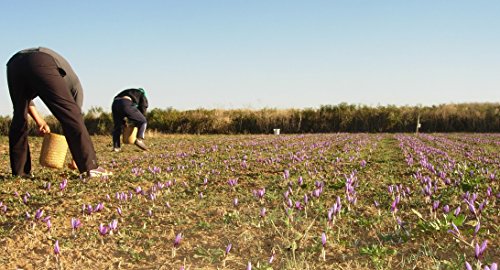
228 248
362 163
113 225
482 205
57 250
286 174
249 266
477 227
300 181
48 223
489 192
235 202
435 205
38 214
263 212
298 205
63 184
394 206
479 250
177 240
457 211
261 192
99 207
323 239
119 210
446 209
455 230
75 223
494 266
103 230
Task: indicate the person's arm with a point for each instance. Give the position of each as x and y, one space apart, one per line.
43 128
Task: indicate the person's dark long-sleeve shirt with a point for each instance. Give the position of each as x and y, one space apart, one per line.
138 96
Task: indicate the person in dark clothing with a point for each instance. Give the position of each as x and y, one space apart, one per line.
130 104
41 72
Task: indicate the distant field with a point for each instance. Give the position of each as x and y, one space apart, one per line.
322 201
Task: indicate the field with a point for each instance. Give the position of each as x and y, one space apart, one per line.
322 201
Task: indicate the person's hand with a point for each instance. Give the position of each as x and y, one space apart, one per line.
44 129
72 165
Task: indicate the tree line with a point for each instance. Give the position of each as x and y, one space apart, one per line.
343 117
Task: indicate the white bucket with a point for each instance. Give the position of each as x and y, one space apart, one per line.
276 131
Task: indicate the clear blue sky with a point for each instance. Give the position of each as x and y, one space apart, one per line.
255 54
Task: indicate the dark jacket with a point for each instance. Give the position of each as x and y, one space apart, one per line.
138 96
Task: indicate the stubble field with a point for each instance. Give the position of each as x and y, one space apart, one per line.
318 201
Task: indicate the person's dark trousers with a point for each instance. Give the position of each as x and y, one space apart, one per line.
123 108
36 74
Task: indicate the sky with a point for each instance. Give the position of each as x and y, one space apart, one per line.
232 54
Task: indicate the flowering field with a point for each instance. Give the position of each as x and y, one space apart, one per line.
323 201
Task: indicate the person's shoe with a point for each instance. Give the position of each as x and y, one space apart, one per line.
117 149
99 172
140 143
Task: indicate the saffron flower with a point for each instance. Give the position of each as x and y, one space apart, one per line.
75 223
113 225
63 184
177 240
57 250
261 192
479 250
323 239
38 214
476 229
286 174
228 248
103 230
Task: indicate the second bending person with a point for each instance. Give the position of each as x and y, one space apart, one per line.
130 104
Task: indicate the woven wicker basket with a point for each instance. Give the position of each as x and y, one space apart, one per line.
129 134
54 149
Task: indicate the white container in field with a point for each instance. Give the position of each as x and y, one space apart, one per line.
276 131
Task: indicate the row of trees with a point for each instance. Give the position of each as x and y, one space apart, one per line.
466 117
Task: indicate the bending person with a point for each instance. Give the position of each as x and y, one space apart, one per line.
130 104
41 72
